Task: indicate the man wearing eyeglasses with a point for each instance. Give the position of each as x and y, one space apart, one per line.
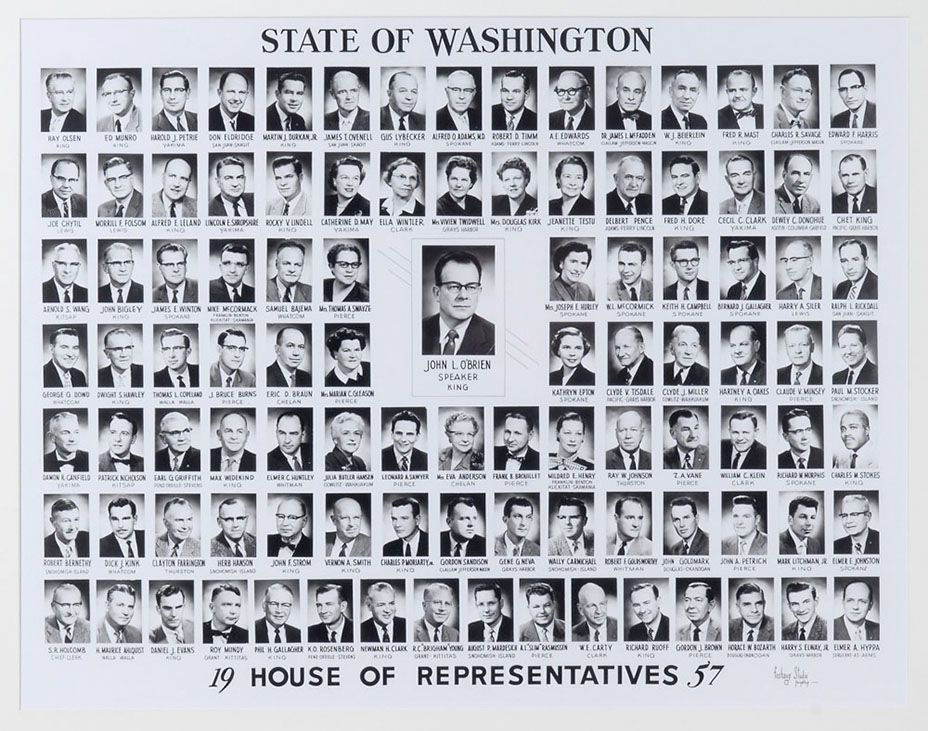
855 518
118 95
272 628
292 538
457 329
804 284
458 114
120 182
860 112
121 372
178 455
65 624
61 200
798 433
230 286
118 264
177 286
684 257
227 371
572 91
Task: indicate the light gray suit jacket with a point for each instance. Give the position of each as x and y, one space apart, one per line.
529 548
560 547
188 207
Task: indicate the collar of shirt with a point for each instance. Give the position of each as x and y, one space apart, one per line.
581 546
455 541
179 546
804 456
396 118
408 207
680 373
236 459
180 289
591 629
546 629
61 292
413 544
461 121
399 457
227 120
862 538
627 202
855 286
233 544
804 373
633 368
682 456
294 202
431 629
745 628
748 370
114 291
494 627
856 369
282 116
346 121
679 115
750 283
230 207
121 380
681 286
61 371
577 117
853 629
224 374
174 119
749 541
347 378
339 543
381 628
185 374
60 203
747 122
702 627
170 635
744 204
64 547
125 121
797 541
655 624
124 543
808 625
790 118
56 122
510 545
111 631
287 372
459 328
516 118
806 284
272 628
628 456
166 202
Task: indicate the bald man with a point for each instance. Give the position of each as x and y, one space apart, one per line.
595 625
459 114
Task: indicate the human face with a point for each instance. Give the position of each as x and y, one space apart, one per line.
512 94
645 605
348 355
542 609
853 262
803 520
573 92
119 264
853 351
570 351
232 96
66 435
277 605
743 434
628 350
684 347
798 261
179 522
857 602
751 606
684 91
119 608
463 522
346 89
347 181
572 521
60 94
403 93
233 520
740 91
122 521
437 608
629 429
592 605
796 94
685 521
489 608
65 351
291 519
803 605
630 267
289 264
743 267
519 522
120 181
405 523
405 434
67 605
799 434
854 433
289 434
174 95
855 516
853 176
458 306
233 433
516 434
290 97
346 515
118 348
851 91
742 347
683 180
630 178
403 181
292 347
117 96
696 605
66 265
744 520
171 609
799 347
514 183
346 268
232 267
231 179
175 431
740 177
173 267
232 352
122 438
65 177
347 436
629 520
176 179
67 524
571 181
226 608
569 438
288 183
383 606
798 175
460 90
630 89
459 183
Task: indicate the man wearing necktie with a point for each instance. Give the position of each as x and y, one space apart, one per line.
684 516
122 372
65 349
630 538
795 109
117 97
334 626
852 346
596 625
286 285
284 114
742 450
748 539
802 524
293 452
402 455
229 115
802 600
288 178
119 178
174 629
793 196
67 540
753 624
859 452
860 282
518 517
119 608
855 515
65 625
177 539
575 538
457 329
544 626
272 628
231 201
233 539
406 519
860 112
511 114
64 433
222 628
684 370
62 115
174 87
683 91
625 113
172 200
857 599
796 427
66 260
858 195
124 541
653 626
687 452
402 98
462 539
698 606
631 179
62 200
383 626
118 265
438 605
572 91
741 112
687 198
492 625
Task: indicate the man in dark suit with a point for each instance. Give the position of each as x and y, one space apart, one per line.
493 625
175 93
744 260
177 372
65 624
284 114
801 520
334 626
684 90
595 625
626 199
572 91
544 625
121 372
683 370
635 368
272 628
61 200
455 272
437 604
61 116
64 433
511 113
802 600
853 625
742 451
61 288
177 455
802 371
383 625
625 112
411 540
684 257
173 628
233 435
172 264
67 540
852 345
402 455
285 371
516 454
461 539
855 519
227 116
684 516
119 179
65 348
402 98
229 286
125 541
687 199
291 454
458 114
291 539
231 201
118 264
754 625
233 539
860 113
858 196
744 347
861 282
645 600
226 607
123 430
796 425
627 454
741 112
345 89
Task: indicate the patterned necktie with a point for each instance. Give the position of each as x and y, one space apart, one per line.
742 547
574 547
174 552
119 297
744 378
854 123
66 380
333 638
69 634
596 635
404 463
686 293
129 549
450 340
750 635
686 548
386 637
802 634
797 377
277 639
286 207
853 460
650 634
795 123
800 464
492 634
288 126
292 379
66 208
687 462
852 292
228 381
858 548
510 122
344 552
570 123
800 293
228 464
175 461
744 291
516 551
437 636
238 550
682 206
544 634
232 123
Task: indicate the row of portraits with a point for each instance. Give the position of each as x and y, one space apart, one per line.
680 440
456 99
505 524
549 611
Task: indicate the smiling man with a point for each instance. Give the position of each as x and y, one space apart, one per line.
231 455
687 199
459 114
284 114
793 195
596 625
742 451
123 431
347 540
66 540
403 455
859 451
746 198
798 538
860 282
118 265
511 113
122 372
288 178
744 261
745 349
753 624
796 94
653 625
178 538
119 608
852 347
402 98
61 116
290 349
855 517
227 371
575 538
118 99
741 112
174 88
492 625
384 625
231 201
544 625
802 600
457 329
635 368
291 538
438 604
119 179
64 433
272 628
748 539
64 345
62 287
858 196
516 454
406 518
66 624
518 517
178 455
857 601
683 369
172 200
229 115
698 606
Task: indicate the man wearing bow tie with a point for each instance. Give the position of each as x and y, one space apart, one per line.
293 525
625 112
516 454
123 431
67 540
64 432
226 606
742 112
796 93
